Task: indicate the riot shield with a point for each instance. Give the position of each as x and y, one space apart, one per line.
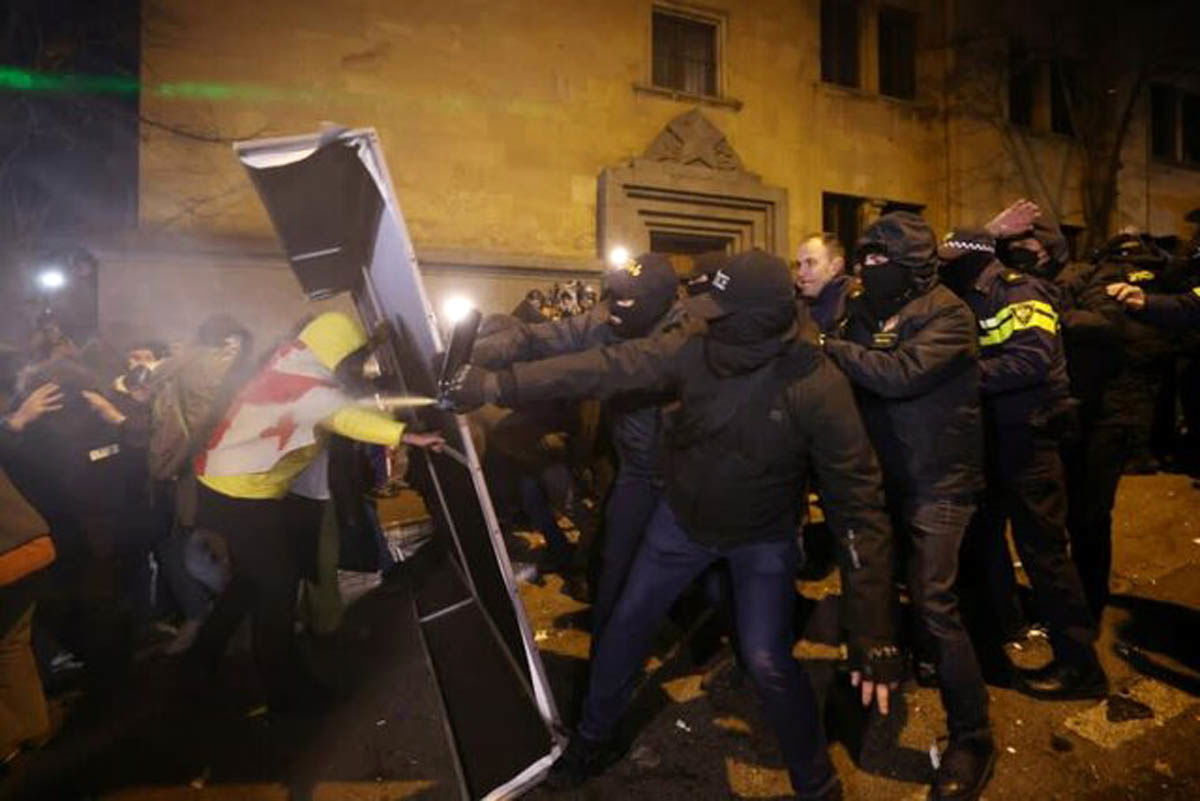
331 201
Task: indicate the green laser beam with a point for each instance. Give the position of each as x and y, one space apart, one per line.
23 80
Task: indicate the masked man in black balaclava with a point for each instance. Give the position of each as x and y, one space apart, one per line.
760 406
640 300
910 351
1025 402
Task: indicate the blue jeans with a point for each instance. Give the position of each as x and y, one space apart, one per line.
764 599
631 504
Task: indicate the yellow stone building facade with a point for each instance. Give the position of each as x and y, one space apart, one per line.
525 138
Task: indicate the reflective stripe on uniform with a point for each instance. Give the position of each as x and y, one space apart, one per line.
1196 291
1017 317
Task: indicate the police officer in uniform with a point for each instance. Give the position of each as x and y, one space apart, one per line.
1025 401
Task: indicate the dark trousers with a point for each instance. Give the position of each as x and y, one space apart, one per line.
764 597
631 504
264 582
935 533
1094 468
1026 486
536 504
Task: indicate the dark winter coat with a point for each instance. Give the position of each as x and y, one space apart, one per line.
1023 371
635 417
1115 359
917 381
752 423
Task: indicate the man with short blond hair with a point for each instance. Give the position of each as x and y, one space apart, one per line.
821 279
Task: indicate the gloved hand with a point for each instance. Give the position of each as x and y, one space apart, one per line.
470 388
878 671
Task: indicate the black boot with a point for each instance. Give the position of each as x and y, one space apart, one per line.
1062 682
965 770
582 760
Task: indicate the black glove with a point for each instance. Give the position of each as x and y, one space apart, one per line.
882 664
470 388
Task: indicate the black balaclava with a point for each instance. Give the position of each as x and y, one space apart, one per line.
908 243
960 274
886 288
640 294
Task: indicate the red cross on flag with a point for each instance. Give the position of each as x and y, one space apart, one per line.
276 413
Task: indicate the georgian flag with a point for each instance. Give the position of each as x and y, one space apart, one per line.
273 415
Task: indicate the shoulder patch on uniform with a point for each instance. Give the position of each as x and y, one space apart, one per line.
1013 277
855 292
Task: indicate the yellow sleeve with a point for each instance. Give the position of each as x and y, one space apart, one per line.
365 425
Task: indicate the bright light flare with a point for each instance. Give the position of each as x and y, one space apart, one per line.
455 308
618 257
51 279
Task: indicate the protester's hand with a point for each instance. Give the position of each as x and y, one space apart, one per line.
470 388
1128 295
46 398
1018 217
880 669
104 407
873 690
433 441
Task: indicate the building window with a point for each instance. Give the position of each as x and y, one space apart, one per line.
897 53
1022 84
839 42
1164 125
1190 127
898 205
1174 124
841 215
1060 104
1073 234
685 52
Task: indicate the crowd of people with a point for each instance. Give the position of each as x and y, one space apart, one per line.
933 394
156 498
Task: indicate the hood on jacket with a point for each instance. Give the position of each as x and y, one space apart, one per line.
332 337
908 241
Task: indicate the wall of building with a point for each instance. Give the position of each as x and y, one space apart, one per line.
497 117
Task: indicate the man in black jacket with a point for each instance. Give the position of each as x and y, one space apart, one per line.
1115 365
639 301
911 353
1025 400
759 407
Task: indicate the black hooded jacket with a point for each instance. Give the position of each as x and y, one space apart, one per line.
753 421
1115 360
917 381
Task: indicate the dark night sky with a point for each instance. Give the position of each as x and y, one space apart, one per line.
70 160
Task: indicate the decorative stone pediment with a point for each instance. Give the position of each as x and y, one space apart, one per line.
690 190
691 139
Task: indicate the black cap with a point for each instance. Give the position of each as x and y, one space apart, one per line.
962 241
649 279
753 279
